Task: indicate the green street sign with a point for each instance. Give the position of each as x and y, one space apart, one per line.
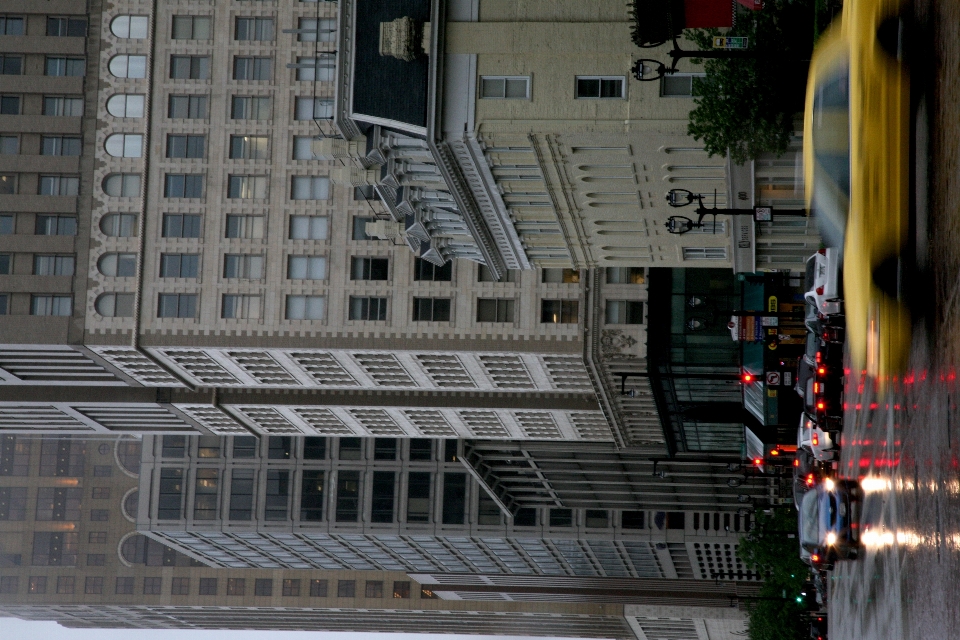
733 42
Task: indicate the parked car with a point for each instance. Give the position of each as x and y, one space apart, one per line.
822 282
829 521
823 445
807 472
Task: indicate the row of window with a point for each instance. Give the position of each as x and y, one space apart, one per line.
11 105
305 448
69 26
191 185
49 145
11 64
245 29
48 185
585 87
189 67
53 504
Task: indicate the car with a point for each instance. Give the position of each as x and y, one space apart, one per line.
818 627
823 445
807 472
822 282
857 133
829 521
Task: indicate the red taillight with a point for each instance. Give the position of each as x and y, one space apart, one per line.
796 463
821 406
822 370
815 557
818 357
758 461
816 387
809 479
816 439
748 377
819 291
775 452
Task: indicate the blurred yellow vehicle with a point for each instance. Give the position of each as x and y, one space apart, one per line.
857 133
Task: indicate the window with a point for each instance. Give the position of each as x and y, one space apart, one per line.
427 271
170 500
62 66
59 185
384 448
316 30
565 276
596 519
59 145
245 447
250 227
351 449
454 498
208 586
259 29
418 496
50 305
179 265
625 275
37 584
177 305
320 69
311 503
67 27
9 145
421 449
248 267
291 587
624 312
308 227
93 585
236 586
191 28
124 66
124 145
314 448
247 187
8 183
303 148
11 65
123 185
240 307
346 588
97 559
368 308
251 108
382 500
495 310
252 68
173 447
176 225
135 27
248 147
306 268
183 185
52 265
561 517
560 311
10 106
208 447
505 87
306 307
187 107
374 589
97 537
313 109
401 589
205 493
152 586
263 587
184 146
704 253
13 503
348 496
180 587
54 225
115 305
7 225
431 309
54 549
241 492
118 265
310 188
278 495
65 584
632 519
124 586
11 25
600 87
680 84
102 471
189 67
6 262
488 513
369 268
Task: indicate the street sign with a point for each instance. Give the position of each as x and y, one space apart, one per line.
773 378
763 214
732 42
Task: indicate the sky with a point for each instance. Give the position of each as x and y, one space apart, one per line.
14 629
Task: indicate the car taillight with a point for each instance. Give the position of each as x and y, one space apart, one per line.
796 463
822 252
816 439
809 479
822 370
816 387
818 357
821 406
819 291
815 557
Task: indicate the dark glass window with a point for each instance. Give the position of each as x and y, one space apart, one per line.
174 446
55 549
348 496
427 271
279 447
311 496
561 517
170 501
263 587
632 519
421 449
381 509
374 589
13 503
450 450
487 510
318 588
291 587
61 457
245 446
241 494
314 448
208 586
454 497
418 496
14 456
351 448
597 518
206 493
525 517
431 309
385 449
346 588
278 495
401 589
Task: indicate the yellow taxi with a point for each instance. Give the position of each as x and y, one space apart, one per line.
857 171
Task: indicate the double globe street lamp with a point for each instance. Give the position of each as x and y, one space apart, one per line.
678 225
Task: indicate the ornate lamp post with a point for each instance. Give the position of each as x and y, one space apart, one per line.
678 225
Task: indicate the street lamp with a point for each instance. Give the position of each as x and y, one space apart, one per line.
649 70
678 225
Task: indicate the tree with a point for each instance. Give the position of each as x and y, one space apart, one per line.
746 106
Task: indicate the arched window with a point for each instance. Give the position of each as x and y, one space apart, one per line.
114 305
119 225
124 145
125 66
122 185
130 504
134 548
117 265
128 455
129 27
125 105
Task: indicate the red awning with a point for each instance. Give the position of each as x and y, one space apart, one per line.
753 5
701 14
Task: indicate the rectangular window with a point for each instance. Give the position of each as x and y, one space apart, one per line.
625 275
454 497
309 188
53 225
9 145
7 226
191 28
10 106
314 448
65 584
236 586
173 446
179 265
252 68
100 493
564 276
309 227
488 513
55 549
421 449
348 496
559 311
123 586
247 187
360 228
306 307
311 498
12 25
320 69
11 65
256 29
306 268
60 457
368 308
180 587
597 518
251 108
13 503
418 496
8 183
431 309
6 263
208 586
240 307
67 27
243 267
245 447
205 494
263 587
632 519
53 265
248 147
495 310
401 589
624 312
182 146
561 517
381 508
318 588
97 537
183 185
241 492
303 148
424 271
170 500
152 586
682 85
313 109
279 447
249 227
505 87
704 253
384 448
176 225
374 589
369 268
278 495
208 447
600 87
99 515
59 145
59 185
351 449
317 30
37 584
346 588
62 66
187 107
50 305
190 67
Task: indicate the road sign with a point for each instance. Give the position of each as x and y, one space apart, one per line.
773 378
763 214
732 42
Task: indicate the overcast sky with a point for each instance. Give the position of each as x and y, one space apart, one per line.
26 630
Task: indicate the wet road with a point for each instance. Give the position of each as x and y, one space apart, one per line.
907 445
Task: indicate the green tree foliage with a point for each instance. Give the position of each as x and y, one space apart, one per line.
746 106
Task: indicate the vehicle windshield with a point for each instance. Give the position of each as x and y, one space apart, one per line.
813 345
809 519
831 151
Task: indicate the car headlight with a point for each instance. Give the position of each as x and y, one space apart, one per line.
829 485
831 538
